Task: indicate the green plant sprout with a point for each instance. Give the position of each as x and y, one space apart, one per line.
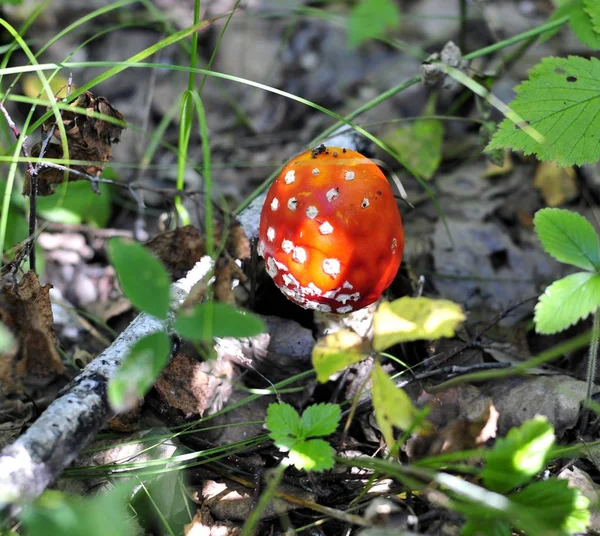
145 282
571 239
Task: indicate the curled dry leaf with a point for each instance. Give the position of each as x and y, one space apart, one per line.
25 308
88 138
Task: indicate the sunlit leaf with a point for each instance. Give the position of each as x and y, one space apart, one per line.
519 456
567 301
312 455
283 419
217 319
320 420
139 371
143 277
392 405
411 319
7 341
336 351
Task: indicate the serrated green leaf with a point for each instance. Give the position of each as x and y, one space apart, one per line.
561 100
582 25
370 19
420 142
139 371
567 301
143 277
283 419
7 341
476 526
519 456
568 237
312 455
283 442
411 319
592 8
561 508
392 405
320 420
216 319
336 351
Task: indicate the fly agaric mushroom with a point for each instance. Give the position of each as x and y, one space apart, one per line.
330 231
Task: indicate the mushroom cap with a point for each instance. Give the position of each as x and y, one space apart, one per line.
330 231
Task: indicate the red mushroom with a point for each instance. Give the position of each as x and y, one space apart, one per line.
330 231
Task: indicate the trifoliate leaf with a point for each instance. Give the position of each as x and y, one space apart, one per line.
411 319
216 319
336 351
392 405
137 374
320 420
592 8
561 100
283 419
312 455
567 301
143 277
562 509
519 456
568 237
371 19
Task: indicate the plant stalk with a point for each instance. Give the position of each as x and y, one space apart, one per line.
593 355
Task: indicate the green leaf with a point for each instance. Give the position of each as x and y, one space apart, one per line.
582 24
56 513
519 456
143 277
420 143
7 341
592 8
411 319
392 405
560 507
283 419
336 351
312 455
320 420
79 204
139 371
216 319
490 526
370 19
561 100
567 301
568 237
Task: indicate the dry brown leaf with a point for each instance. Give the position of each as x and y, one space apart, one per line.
25 308
203 524
557 185
493 170
88 138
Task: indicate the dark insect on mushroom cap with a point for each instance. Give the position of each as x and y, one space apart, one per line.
330 231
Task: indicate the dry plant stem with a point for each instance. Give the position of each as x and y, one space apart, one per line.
36 459
593 356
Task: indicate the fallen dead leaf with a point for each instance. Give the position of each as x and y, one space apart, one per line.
557 185
203 524
582 481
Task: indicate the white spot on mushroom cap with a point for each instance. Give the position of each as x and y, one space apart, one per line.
271 267
345 309
349 175
299 255
311 212
313 289
347 285
323 307
275 204
271 234
292 203
343 298
394 245
326 228
365 203
290 281
315 171
290 176
281 266
332 194
287 246
331 267
261 248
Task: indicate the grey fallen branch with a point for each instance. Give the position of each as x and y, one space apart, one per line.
36 459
